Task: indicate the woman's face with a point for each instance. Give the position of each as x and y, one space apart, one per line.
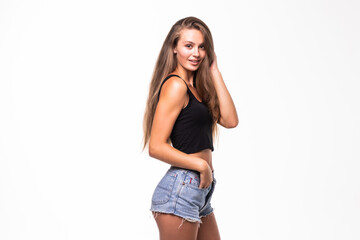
190 51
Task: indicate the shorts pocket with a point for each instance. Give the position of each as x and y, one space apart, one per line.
193 197
164 189
192 180
209 195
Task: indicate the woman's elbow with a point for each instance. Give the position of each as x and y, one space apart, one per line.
154 149
229 123
232 124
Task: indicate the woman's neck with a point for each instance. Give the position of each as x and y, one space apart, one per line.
185 74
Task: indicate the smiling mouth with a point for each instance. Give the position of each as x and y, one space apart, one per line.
195 61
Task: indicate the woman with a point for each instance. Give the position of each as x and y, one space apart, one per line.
187 99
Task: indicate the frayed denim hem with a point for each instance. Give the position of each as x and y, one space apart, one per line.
156 213
207 214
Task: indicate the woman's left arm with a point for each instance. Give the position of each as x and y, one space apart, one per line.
228 115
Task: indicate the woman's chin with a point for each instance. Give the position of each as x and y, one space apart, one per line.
192 68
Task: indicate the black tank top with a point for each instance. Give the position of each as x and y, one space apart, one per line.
192 131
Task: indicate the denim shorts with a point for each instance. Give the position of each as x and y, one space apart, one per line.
178 193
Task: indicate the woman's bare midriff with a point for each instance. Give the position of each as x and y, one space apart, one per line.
205 154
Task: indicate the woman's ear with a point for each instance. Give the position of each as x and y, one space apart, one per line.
175 52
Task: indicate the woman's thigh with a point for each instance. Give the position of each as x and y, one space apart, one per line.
208 229
172 227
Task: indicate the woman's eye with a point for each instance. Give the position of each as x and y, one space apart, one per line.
202 47
188 46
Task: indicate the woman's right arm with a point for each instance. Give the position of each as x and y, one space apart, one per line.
172 99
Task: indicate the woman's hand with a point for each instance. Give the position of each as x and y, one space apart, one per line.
228 116
205 176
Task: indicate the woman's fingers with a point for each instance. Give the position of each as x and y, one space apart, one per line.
205 178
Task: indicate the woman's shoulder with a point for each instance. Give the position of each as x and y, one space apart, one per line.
173 86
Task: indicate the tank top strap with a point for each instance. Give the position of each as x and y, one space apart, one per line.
169 76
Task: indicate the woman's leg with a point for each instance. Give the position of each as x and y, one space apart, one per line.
208 229
172 227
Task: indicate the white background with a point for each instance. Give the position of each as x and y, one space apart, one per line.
74 78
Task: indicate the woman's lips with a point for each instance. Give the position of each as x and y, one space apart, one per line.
194 62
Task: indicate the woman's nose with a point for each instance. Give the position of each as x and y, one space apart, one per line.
196 51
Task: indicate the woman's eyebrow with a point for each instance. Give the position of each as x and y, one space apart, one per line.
192 42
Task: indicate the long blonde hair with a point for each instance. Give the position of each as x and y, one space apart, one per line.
167 63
